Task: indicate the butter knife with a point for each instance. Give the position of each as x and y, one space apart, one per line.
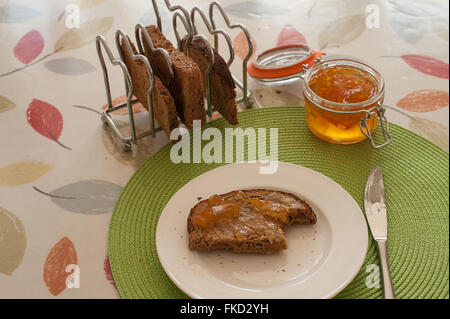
375 207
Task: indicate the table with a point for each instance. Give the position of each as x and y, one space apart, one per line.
61 171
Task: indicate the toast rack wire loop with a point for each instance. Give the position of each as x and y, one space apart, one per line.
141 34
212 31
121 36
246 97
187 22
208 48
188 38
106 118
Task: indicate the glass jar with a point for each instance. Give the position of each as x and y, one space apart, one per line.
344 122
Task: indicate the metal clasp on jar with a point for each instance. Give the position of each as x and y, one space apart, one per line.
380 111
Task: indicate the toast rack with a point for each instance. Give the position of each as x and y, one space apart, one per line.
142 37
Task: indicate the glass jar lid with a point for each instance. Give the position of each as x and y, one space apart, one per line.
283 61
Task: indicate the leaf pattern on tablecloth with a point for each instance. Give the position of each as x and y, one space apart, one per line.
427 65
45 119
240 45
435 132
60 256
342 31
290 35
6 104
16 14
424 100
13 242
69 66
29 47
77 38
138 154
261 9
408 21
22 173
137 107
107 269
90 197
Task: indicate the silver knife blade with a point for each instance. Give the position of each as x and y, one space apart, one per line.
375 205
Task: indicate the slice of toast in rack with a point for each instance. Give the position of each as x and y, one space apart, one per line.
223 94
186 87
164 109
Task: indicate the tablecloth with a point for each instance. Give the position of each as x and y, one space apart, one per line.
61 170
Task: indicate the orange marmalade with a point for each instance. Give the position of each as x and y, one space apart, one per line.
215 214
343 86
223 210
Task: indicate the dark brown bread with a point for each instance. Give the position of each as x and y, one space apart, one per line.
249 221
164 109
186 87
223 94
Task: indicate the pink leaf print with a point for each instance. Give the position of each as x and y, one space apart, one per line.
240 45
290 35
108 273
427 65
29 46
46 120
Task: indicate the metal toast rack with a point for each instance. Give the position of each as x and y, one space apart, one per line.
143 41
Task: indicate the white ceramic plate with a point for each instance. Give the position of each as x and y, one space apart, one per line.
320 261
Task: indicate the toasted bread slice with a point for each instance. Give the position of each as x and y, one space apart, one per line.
186 87
164 109
223 94
248 221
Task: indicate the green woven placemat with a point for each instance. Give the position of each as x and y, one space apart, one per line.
416 176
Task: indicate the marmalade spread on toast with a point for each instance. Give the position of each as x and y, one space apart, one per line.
246 221
222 210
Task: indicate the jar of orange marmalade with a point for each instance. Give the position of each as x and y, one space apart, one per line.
344 101
343 97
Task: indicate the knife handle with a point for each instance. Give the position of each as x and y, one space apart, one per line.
388 289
